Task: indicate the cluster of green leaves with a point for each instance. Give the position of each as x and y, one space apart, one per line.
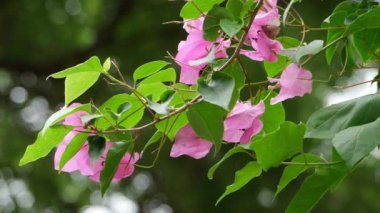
354 30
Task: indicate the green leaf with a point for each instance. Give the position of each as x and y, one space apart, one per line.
44 143
193 9
231 26
207 121
113 158
366 43
163 107
91 65
236 149
295 54
274 115
326 122
356 142
274 68
235 7
87 118
175 123
155 90
166 75
218 90
96 145
72 148
234 71
128 119
79 83
365 21
280 145
291 172
148 69
211 24
335 22
242 177
63 113
315 186
154 139
107 65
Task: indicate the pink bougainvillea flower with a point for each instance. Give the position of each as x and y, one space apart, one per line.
262 32
194 48
239 126
188 143
81 161
294 81
243 122
125 168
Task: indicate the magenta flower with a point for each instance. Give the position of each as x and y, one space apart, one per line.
194 48
188 143
81 161
243 122
294 81
262 32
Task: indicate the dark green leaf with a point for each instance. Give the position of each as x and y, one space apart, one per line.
236 149
154 139
328 121
231 26
315 186
44 143
207 121
242 177
218 90
280 145
97 145
365 21
366 43
291 172
356 142
113 158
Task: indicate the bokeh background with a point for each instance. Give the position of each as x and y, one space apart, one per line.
41 37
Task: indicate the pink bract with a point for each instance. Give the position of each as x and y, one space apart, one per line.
188 143
243 122
294 81
81 161
194 48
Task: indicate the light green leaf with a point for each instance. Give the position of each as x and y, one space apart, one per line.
175 123
63 113
326 122
242 177
148 69
166 75
274 115
236 149
155 90
87 118
207 121
356 142
280 145
107 65
218 90
91 65
78 83
72 148
128 119
113 158
163 107
44 143
193 9
291 172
